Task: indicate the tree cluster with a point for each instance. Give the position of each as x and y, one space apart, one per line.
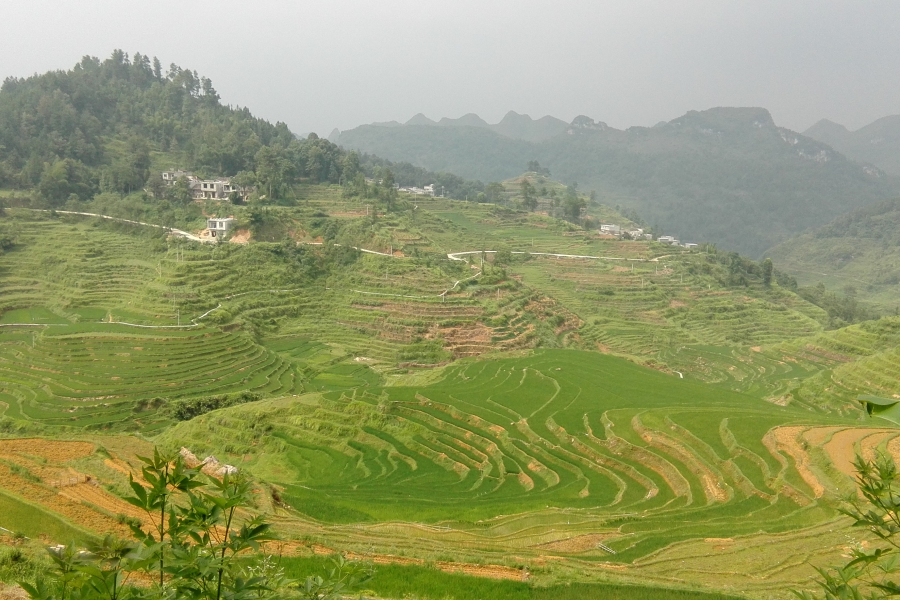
71 135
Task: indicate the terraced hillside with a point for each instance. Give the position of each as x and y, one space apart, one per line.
423 405
273 321
558 454
91 374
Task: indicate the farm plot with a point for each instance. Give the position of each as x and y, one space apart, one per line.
48 494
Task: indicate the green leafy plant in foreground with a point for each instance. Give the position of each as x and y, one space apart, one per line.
201 544
870 573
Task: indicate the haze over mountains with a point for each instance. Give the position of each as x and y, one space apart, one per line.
725 175
877 143
513 125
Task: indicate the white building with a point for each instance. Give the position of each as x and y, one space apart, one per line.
218 226
610 229
219 188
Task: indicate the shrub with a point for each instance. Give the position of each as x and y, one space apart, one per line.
185 410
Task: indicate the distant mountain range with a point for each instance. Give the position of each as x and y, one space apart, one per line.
724 175
513 125
877 143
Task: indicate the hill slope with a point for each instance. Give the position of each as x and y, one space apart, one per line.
725 175
860 249
877 143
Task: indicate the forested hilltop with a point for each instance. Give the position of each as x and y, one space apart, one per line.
104 127
724 175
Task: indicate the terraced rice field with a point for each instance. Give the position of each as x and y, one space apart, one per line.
734 451
97 374
556 454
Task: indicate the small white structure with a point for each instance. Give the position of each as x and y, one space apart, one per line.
218 227
690 245
667 239
610 229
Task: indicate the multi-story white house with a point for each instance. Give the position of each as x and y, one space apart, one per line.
215 189
219 226
220 188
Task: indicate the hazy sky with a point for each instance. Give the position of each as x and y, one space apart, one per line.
341 63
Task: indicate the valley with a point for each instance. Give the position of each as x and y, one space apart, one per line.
396 360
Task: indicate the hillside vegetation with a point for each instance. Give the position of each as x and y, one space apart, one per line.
856 254
95 134
727 176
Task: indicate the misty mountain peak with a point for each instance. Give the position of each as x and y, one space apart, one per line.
467 120
420 119
583 123
726 118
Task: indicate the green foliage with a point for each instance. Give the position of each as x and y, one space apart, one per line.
184 410
344 577
529 201
842 309
767 270
572 207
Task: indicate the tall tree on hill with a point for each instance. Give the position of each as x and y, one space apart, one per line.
494 192
572 207
767 270
272 170
389 192
529 201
